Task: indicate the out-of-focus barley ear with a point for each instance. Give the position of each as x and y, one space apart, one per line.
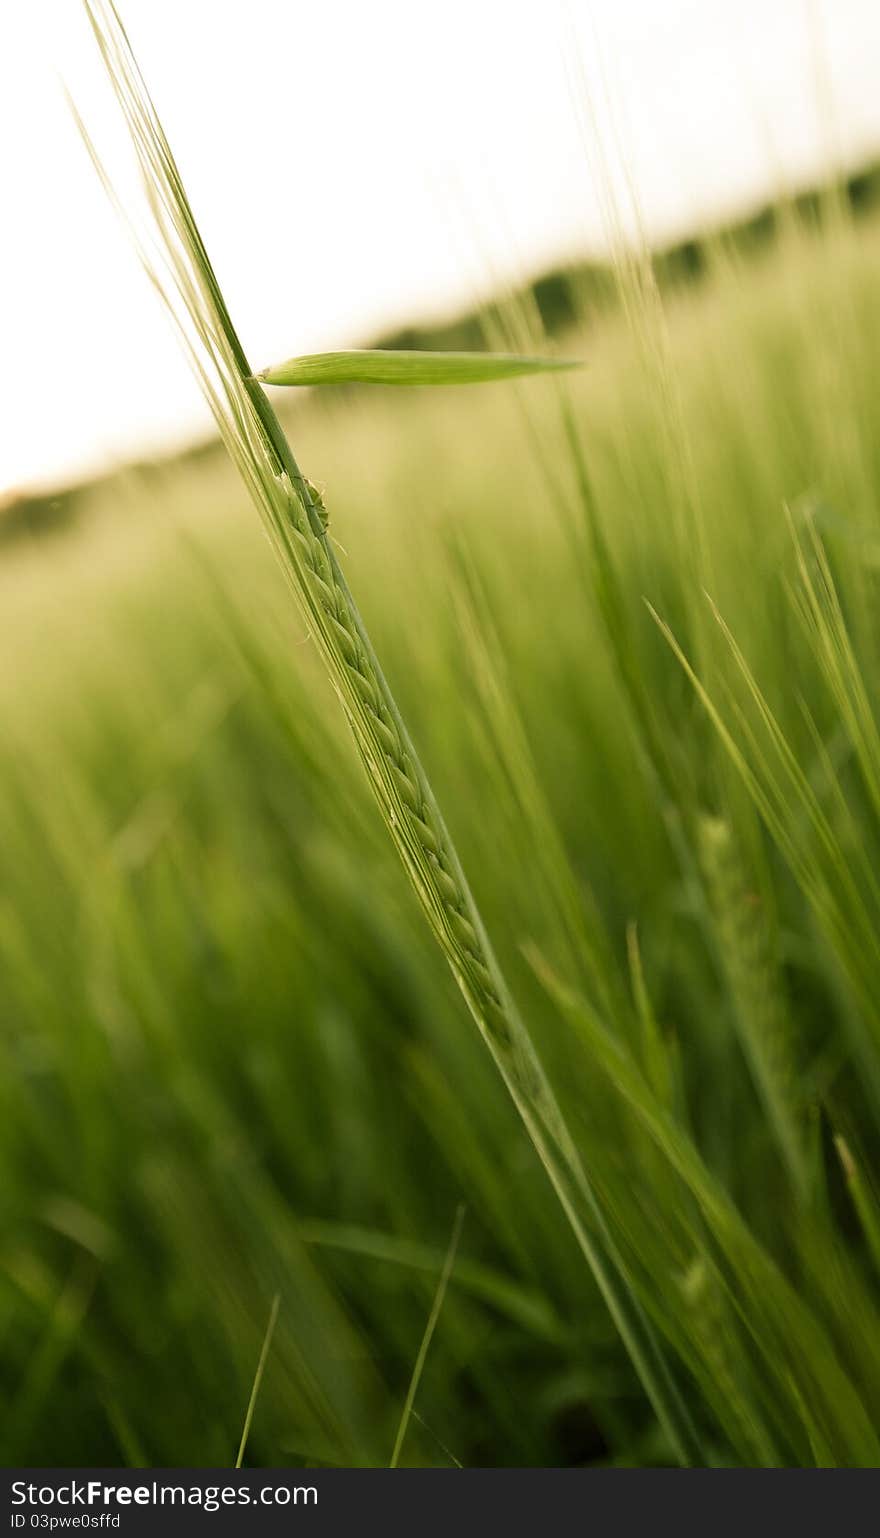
716 1331
745 954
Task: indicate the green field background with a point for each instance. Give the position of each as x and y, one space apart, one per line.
234 1063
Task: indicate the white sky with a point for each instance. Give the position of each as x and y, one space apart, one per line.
359 162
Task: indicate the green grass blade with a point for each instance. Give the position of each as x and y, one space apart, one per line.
528 1309
258 1377
367 366
863 1197
428 1336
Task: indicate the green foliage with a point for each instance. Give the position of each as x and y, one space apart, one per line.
235 1064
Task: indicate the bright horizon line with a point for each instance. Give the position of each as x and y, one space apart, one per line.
446 313
428 158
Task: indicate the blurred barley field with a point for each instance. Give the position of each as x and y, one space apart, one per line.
235 1063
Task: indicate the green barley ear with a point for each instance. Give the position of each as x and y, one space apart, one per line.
178 265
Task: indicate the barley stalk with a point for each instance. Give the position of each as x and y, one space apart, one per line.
177 263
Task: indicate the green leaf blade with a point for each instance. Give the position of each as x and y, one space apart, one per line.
384 367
